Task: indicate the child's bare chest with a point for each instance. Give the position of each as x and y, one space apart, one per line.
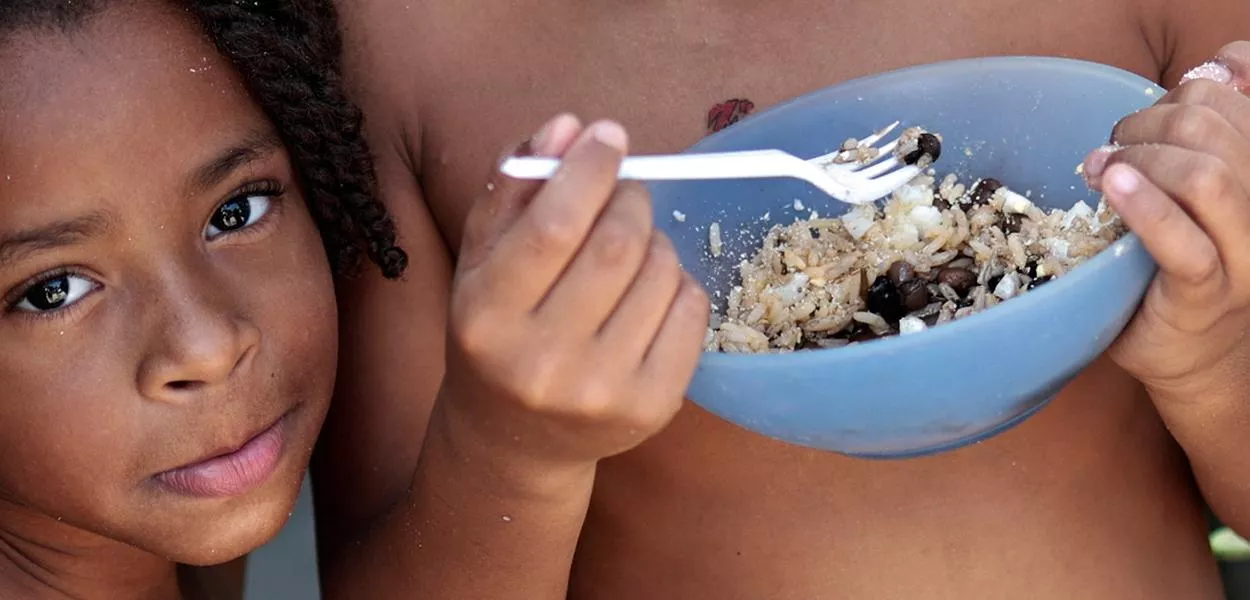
1088 499
672 75
707 510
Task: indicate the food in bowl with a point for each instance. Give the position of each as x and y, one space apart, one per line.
938 250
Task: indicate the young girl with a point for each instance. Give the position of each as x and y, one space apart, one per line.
168 334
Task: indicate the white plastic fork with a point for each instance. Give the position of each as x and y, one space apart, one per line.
849 182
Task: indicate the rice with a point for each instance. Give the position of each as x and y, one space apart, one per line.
934 252
714 240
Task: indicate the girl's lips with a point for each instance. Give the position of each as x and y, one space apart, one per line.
233 473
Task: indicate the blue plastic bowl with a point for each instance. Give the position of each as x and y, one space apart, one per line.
1026 121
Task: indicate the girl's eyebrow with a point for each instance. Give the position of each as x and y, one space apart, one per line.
17 246
255 147
20 245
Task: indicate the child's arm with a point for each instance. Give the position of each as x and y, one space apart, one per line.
418 501
572 335
387 529
1182 182
1214 430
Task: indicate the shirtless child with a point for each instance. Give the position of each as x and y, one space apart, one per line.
1098 496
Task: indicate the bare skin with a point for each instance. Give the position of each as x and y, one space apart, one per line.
1092 498
182 334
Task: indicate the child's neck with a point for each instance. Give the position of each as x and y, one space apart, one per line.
42 557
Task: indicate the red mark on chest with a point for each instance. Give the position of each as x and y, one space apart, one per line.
727 113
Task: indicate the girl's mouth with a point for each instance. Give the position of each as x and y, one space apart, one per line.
231 471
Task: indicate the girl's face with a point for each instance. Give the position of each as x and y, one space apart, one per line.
167 333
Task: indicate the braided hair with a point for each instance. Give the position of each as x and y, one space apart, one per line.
288 53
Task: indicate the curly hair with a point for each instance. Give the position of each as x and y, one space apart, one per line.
288 54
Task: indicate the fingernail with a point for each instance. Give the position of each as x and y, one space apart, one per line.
541 139
1121 182
1096 162
611 134
1213 70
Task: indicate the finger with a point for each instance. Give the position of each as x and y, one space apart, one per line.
1204 187
1215 71
1234 107
532 253
1196 127
1236 57
1180 247
674 354
1096 162
630 330
586 294
1231 66
504 198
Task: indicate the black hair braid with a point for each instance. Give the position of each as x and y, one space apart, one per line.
288 55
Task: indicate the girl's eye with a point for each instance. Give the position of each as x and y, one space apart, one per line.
54 293
238 213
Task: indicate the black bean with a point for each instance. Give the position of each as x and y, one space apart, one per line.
915 294
1039 281
930 144
815 233
984 190
885 300
1030 269
927 146
861 333
993 283
1010 223
901 272
960 280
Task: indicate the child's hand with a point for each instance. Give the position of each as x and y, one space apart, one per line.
574 332
1179 177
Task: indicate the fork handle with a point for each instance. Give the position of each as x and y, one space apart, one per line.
749 164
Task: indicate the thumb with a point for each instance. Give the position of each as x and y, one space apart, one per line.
504 197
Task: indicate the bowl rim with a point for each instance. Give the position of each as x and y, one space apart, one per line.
1123 248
